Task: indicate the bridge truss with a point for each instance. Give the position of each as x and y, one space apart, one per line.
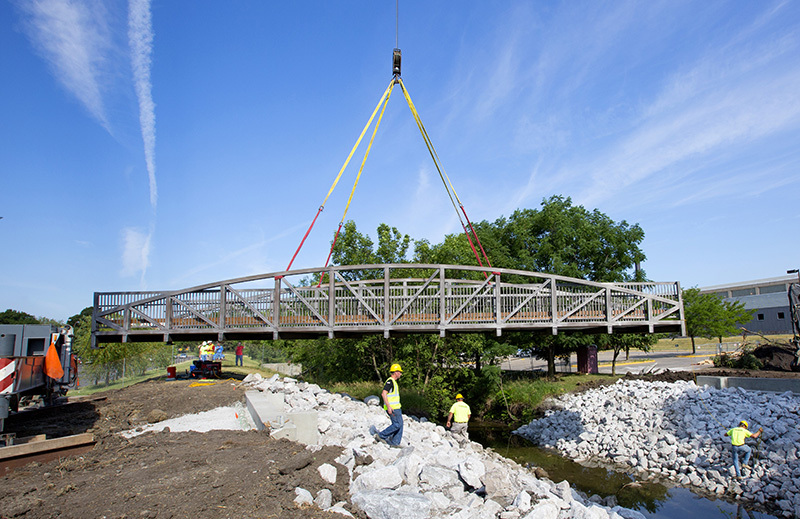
389 299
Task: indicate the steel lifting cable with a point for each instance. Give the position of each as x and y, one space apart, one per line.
346 162
358 176
448 185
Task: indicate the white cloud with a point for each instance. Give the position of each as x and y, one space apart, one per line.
140 36
135 251
73 37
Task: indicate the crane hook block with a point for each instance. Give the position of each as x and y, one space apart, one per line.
396 63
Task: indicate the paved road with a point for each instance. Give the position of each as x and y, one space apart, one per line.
637 362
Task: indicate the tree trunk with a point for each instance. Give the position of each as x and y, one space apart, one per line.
694 349
614 362
477 364
551 362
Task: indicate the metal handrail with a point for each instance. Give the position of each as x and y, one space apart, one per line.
440 299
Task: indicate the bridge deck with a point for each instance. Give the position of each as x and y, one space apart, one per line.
393 299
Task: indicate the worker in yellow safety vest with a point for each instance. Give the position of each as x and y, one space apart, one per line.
391 403
738 447
458 417
209 351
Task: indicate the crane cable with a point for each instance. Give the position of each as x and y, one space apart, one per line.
448 185
387 95
346 162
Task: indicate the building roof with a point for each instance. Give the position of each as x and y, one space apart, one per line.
757 282
763 301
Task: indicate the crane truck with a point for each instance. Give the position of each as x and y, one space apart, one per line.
794 311
35 360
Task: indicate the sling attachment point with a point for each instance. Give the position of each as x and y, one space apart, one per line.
396 58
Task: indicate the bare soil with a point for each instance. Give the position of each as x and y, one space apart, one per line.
217 474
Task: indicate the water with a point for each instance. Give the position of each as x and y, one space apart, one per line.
650 499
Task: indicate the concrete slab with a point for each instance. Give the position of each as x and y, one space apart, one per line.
775 385
307 426
288 431
266 409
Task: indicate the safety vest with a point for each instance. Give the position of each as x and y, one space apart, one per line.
460 412
738 434
394 396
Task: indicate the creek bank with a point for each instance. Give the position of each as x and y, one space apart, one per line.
431 474
675 431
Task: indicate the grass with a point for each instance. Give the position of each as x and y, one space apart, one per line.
685 343
412 400
228 368
523 397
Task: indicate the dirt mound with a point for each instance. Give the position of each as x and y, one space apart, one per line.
776 357
217 474
663 376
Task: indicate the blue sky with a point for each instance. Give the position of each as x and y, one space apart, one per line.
157 145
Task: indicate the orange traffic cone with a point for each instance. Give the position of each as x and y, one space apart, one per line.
52 364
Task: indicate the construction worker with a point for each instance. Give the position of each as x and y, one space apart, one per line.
209 350
738 447
203 351
391 403
458 417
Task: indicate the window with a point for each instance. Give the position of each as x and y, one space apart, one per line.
36 346
772 289
743 292
721 295
760 317
780 315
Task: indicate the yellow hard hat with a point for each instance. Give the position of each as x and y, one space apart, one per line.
459 397
395 367
744 422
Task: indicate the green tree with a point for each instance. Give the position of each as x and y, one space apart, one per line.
707 315
16 317
624 342
571 241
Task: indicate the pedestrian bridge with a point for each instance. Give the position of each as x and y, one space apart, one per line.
389 299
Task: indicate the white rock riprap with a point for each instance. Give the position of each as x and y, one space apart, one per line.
676 431
431 475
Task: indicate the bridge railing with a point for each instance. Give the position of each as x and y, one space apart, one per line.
397 298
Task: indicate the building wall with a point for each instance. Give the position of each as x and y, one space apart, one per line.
767 297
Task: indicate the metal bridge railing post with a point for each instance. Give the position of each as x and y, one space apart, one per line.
553 306
386 308
331 303
498 318
276 308
223 309
442 302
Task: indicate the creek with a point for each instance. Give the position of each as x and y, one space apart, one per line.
651 499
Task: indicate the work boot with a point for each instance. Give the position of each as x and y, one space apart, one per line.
379 439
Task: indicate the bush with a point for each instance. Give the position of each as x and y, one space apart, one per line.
743 360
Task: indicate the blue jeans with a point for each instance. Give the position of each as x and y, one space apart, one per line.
738 450
394 433
240 360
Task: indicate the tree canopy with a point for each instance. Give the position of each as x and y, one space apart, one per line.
707 315
16 317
